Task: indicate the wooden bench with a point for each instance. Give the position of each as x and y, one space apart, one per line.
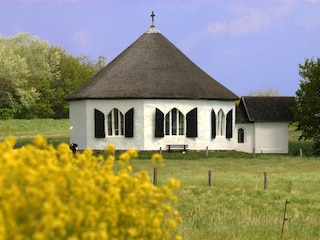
171 147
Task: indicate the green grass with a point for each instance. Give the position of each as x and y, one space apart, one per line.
237 206
55 130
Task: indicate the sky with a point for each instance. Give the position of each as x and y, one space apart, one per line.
246 45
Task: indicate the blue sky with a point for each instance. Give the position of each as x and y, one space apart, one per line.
247 45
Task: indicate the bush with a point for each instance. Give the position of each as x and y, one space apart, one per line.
51 193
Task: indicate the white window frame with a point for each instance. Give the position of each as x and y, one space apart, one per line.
115 123
175 126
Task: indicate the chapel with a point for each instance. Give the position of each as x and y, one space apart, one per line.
152 96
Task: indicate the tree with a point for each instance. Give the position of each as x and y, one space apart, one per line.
14 89
264 92
307 104
36 77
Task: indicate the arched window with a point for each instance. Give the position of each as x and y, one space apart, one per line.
174 122
240 135
115 123
221 123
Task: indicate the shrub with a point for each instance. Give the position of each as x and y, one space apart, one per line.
51 193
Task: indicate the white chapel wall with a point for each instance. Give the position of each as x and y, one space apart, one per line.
204 124
78 123
271 137
82 120
248 144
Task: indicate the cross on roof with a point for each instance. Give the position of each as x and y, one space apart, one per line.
152 16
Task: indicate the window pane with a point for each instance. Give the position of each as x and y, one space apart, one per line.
167 124
174 121
116 121
110 124
240 135
181 124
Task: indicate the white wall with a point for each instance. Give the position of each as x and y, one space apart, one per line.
82 120
248 144
78 123
264 137
271 137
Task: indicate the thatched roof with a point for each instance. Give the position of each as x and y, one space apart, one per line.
265 109
152 67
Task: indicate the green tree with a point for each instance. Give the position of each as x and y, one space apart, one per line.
36 77
15 91
307 104
74 71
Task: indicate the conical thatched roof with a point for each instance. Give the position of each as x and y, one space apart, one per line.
152 68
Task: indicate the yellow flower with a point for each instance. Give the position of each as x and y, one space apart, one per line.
40 141
110 149
50 193
156 159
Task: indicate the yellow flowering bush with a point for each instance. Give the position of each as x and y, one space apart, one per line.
51 193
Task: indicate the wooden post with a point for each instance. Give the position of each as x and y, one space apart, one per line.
155 176
300 152
210 178
265 180
284 217
207 151
160 150
254 152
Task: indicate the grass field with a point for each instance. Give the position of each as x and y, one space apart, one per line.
54 130
236 206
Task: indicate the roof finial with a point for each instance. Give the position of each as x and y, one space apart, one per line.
152 16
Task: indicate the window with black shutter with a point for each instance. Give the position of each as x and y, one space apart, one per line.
213 124
99 125
229 125
192 123
129 123
159 123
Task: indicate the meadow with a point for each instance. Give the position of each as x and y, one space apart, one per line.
236 206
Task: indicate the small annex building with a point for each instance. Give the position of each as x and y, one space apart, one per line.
152 95
262 124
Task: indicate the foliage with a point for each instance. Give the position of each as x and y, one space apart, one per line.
307 105
49 193
36 77
264 92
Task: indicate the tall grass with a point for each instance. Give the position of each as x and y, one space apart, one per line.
237 206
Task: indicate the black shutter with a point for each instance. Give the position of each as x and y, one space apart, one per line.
128 121
213 124
159 123
192 123
99 128
229 125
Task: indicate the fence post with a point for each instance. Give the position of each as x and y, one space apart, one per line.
300 152
155 176
210 178
160 150
265 180
284 217
207 151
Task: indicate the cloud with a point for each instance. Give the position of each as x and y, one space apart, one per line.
252 18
